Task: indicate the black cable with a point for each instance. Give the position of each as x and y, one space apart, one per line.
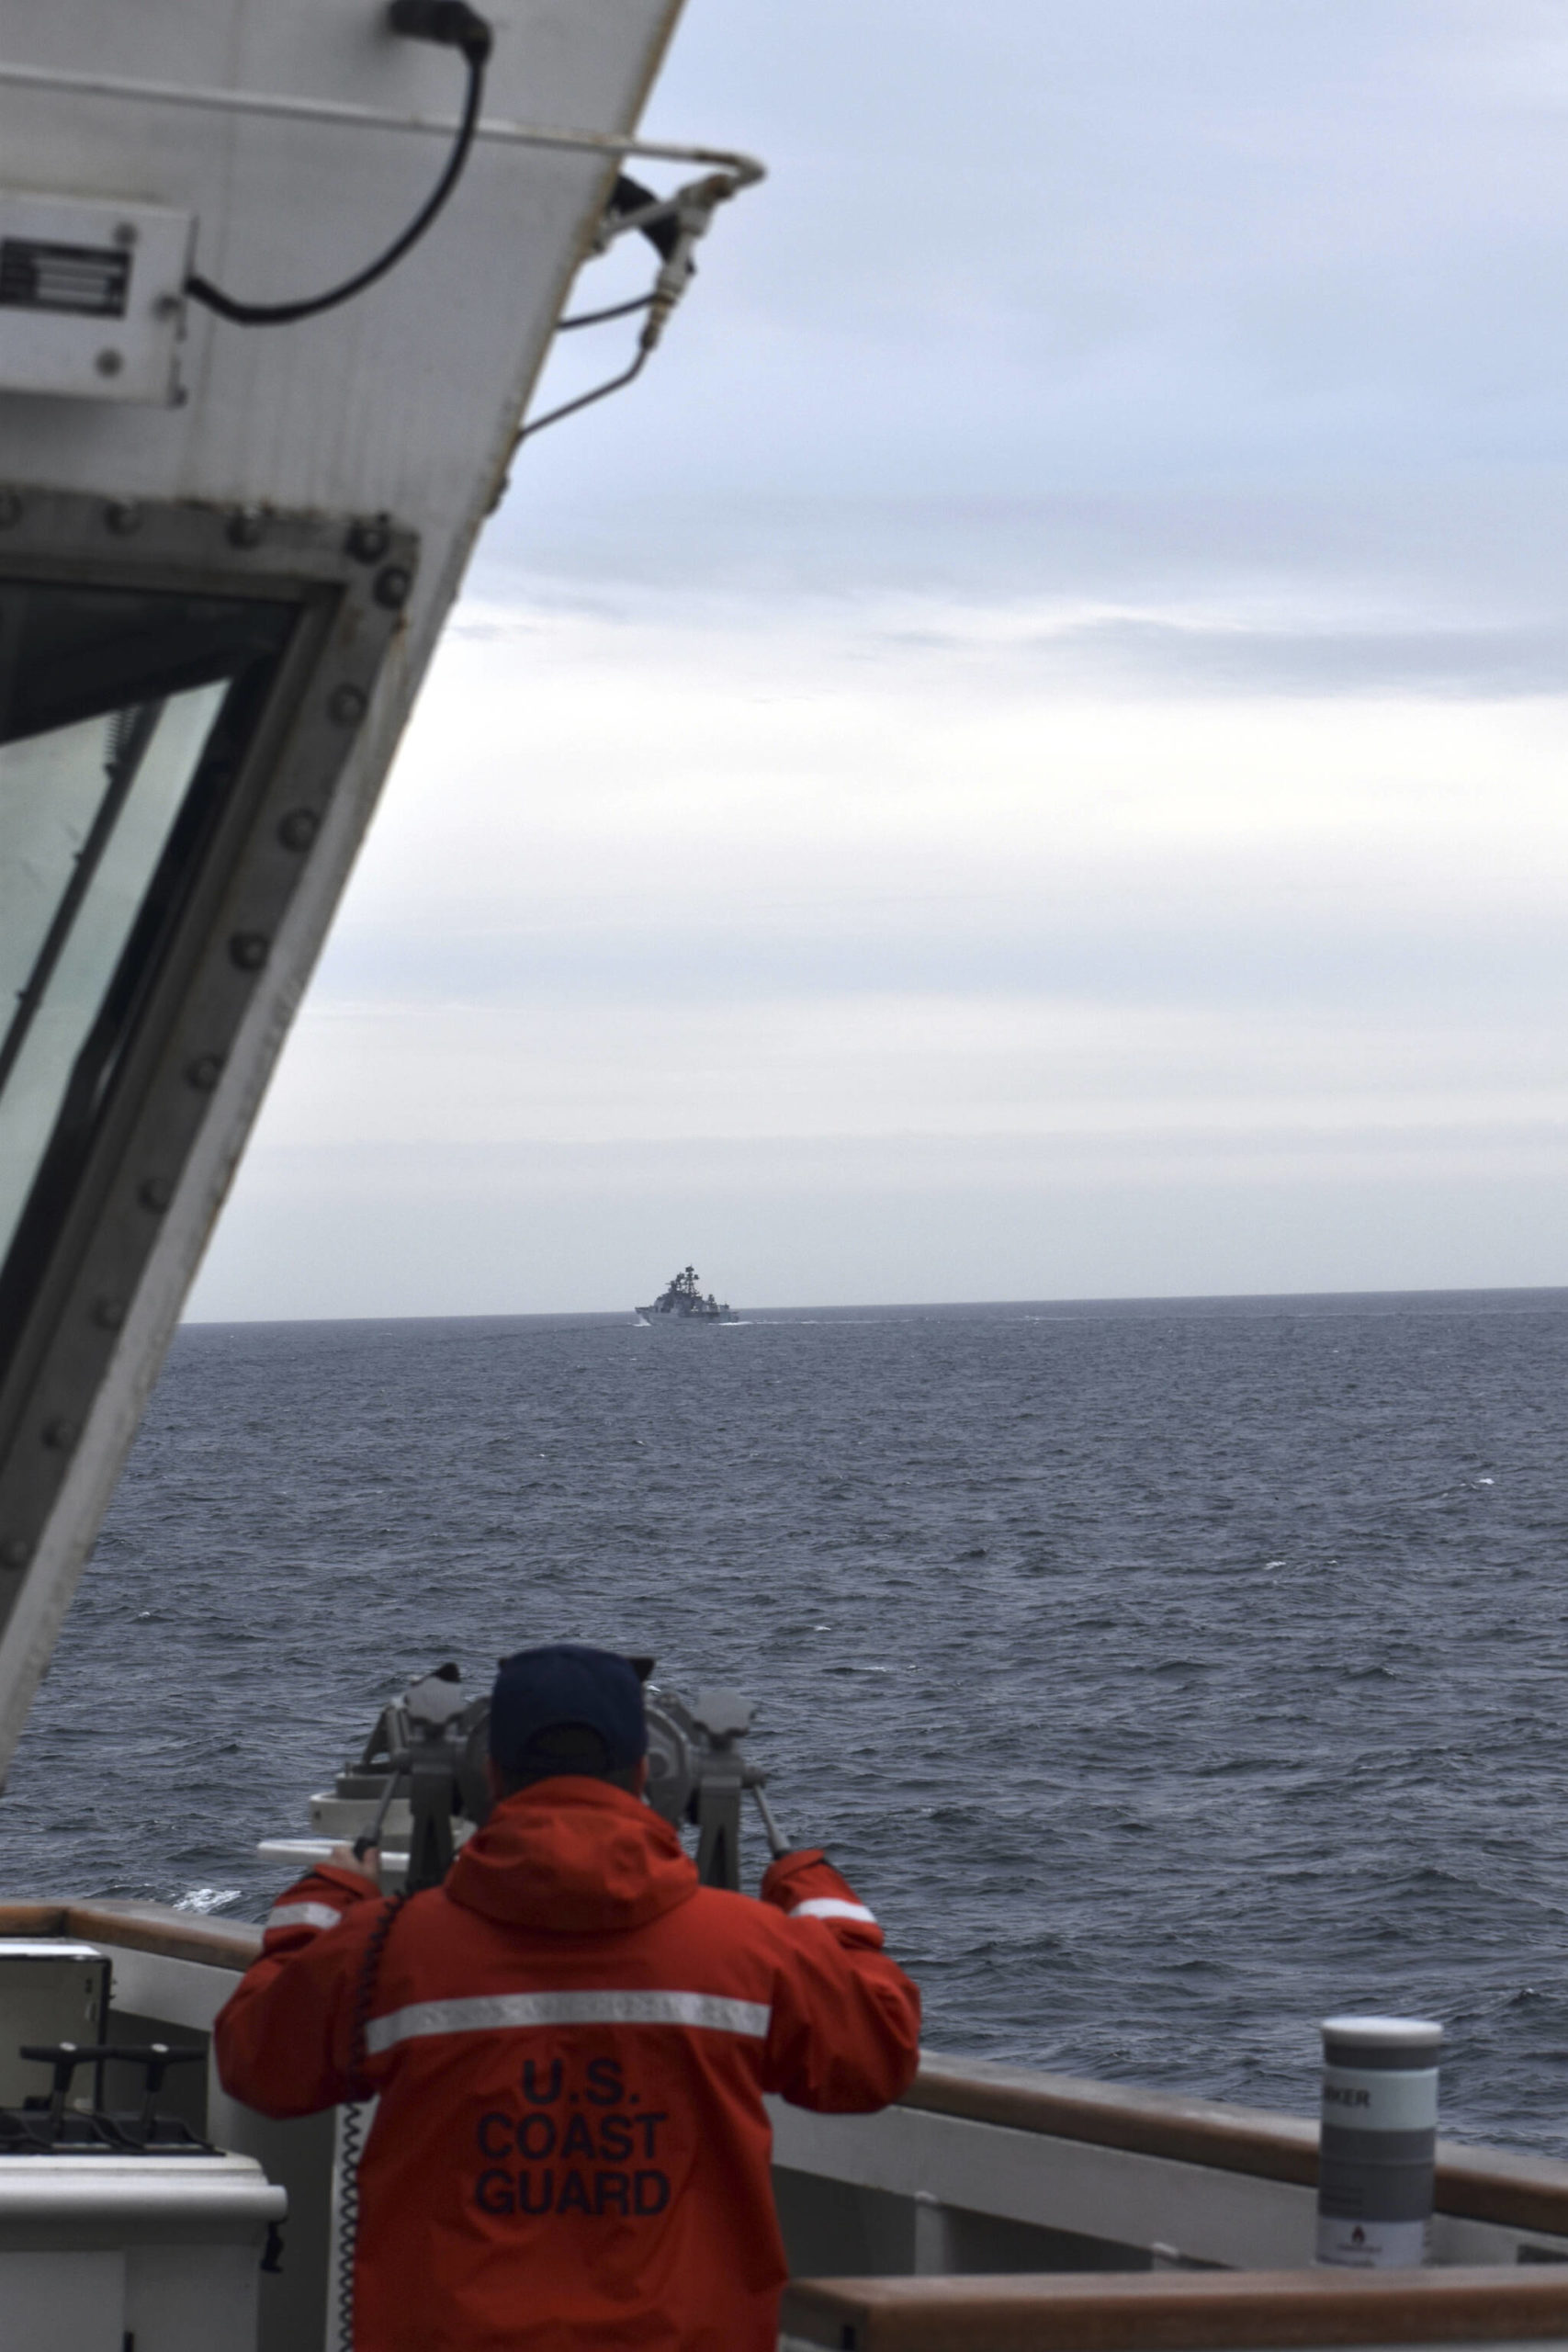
348 2223
352 2126
673 233
597 318
453 25
628 196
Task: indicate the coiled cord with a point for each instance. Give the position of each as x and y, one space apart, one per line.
351 2133
347 2223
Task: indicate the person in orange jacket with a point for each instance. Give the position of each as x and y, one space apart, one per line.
571 2040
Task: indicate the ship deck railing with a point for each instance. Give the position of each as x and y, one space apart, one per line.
995 2208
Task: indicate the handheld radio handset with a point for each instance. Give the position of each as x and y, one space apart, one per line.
369 1841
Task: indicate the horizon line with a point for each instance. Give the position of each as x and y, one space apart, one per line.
900 1306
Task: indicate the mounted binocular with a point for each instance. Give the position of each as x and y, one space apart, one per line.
420 1785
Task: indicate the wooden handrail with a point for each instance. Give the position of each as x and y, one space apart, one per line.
139 1927
1117 2115
1520 2192
1177 2311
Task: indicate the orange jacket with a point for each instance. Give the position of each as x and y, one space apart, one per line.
571 2040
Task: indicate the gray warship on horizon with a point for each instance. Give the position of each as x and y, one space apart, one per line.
682 1300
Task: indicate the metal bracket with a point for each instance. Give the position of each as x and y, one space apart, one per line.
746 169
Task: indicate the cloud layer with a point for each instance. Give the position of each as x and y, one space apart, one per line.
1027 760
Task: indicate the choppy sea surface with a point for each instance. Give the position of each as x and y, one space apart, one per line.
1167 1676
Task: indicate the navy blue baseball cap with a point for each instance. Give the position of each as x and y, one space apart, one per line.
562 1686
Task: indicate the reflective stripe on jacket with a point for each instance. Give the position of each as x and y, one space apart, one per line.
571 2040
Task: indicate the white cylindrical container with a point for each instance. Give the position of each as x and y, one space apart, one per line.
1378 2142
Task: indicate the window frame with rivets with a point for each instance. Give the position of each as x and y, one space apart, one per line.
263 636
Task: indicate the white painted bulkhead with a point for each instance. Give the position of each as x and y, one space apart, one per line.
300 138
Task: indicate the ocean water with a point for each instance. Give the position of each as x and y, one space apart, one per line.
1167 1676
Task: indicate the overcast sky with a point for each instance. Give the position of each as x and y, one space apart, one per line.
1026 758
